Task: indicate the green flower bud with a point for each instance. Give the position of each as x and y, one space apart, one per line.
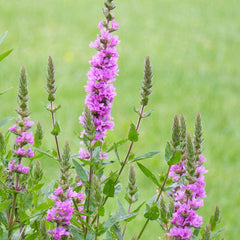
190 156
51 88
43 231
175 133
38 172
23 94
2 145
65 166
183 135
38 136
207 232
89 124
198 136
97 191
147 82
132 183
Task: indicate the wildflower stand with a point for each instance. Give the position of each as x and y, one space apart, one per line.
75 206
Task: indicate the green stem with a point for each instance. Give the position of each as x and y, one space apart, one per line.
89 191
56 139
158 197
125 160
125 227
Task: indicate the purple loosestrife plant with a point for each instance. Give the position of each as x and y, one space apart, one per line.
188 197
99 88
75 206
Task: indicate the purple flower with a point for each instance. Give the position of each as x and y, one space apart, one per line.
13 128
179 232
100 91
63 209
188 198
59 232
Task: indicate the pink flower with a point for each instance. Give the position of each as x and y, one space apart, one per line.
115 25
25 170
13 128
30 153
11 165
21 151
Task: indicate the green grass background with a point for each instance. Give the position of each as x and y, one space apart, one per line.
194 47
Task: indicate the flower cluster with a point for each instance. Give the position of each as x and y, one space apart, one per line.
24 137
63 210
100 90
188 198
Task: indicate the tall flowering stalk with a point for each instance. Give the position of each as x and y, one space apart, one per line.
21 150
189 196
64 198
99 88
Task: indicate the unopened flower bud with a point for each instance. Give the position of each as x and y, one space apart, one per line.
183 136
190 156
51 88
43 231
65 166
2 145
89 124
132 183
146 83
23 94
175 133
198 136
38 173
38 136
217 214
97 191
207 232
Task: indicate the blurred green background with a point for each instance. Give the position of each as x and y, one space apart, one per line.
194 48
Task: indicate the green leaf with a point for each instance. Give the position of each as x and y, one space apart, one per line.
101 210
168 151
37 187
133 134
148 114
76 232
121 208
32 236
117 218
148 174
117 231
96 154
116 144
109 188
144 156
217 233
56 129
5 120
175 159
118 188
117 155
3 205
44 206
3 36
45 153
152 213
135 211
4 91
81 171
5 54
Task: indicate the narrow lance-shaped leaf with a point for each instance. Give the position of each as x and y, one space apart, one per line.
81 172
144 156
148 174
5 54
